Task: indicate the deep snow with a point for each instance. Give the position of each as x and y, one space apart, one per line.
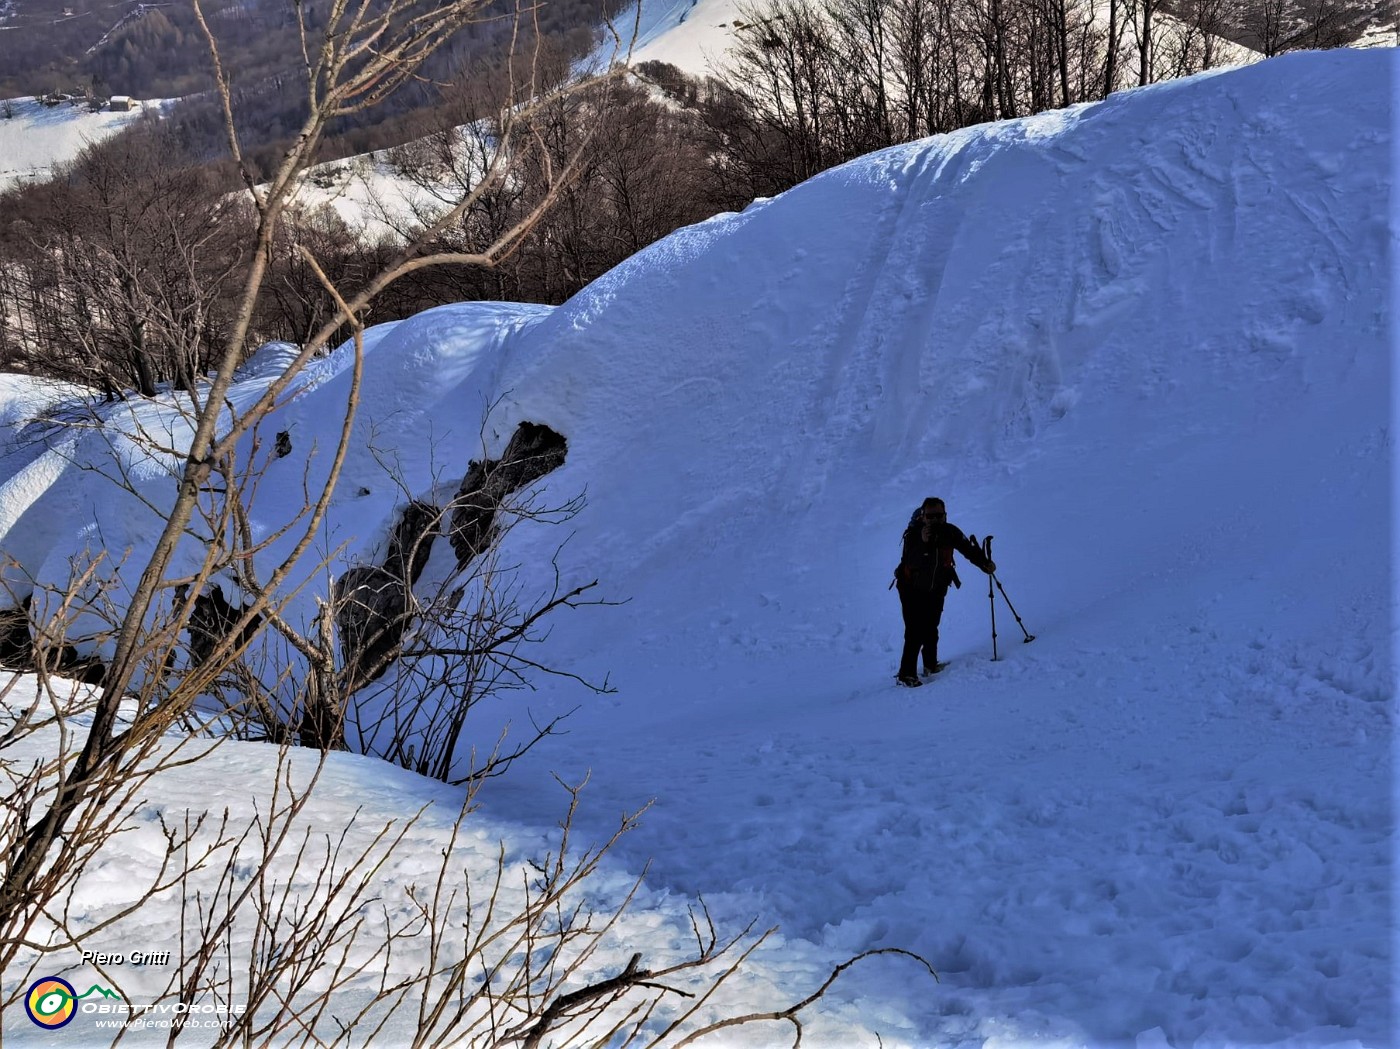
1146 343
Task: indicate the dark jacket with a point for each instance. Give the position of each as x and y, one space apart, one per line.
928 564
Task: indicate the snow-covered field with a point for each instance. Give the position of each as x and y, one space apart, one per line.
362 191
1147 345
376 198
38 137
691 35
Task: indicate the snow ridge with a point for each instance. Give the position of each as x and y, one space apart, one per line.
1145 343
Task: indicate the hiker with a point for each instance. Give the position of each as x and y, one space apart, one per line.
925 571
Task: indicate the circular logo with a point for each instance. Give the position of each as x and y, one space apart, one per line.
51 1002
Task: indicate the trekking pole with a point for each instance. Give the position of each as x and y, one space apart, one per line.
1029 636
991 597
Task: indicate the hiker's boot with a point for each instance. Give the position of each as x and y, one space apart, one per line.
909 680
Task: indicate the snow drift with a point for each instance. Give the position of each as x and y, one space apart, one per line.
1145 343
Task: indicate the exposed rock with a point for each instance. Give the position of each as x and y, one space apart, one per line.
16 646
474 511
371 617
533 451
18 652
373 601
211 620
88 669
411 543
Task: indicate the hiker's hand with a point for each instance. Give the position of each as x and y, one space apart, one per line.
990 567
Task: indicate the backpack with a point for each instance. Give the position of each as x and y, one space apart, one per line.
947 557
904 537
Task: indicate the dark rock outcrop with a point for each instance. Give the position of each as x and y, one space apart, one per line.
411 543
371 605
211 620
16 646
373 602
18 651
533 451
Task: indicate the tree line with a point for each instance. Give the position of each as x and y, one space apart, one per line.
810 85
119 273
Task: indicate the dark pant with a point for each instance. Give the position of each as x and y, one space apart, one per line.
923 610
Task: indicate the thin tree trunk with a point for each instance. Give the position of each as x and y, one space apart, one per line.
1110 73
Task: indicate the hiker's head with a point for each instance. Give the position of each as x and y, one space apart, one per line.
933 509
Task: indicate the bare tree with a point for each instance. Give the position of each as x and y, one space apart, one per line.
354 61
1211 19
1321 24
780 71
287 931
875 72
863 71
1110 74
918 46
117 273
1141 16
296 303
1266 23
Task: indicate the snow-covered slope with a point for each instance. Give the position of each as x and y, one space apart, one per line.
691 35
36 137
694 35
1146 344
